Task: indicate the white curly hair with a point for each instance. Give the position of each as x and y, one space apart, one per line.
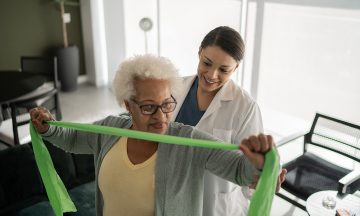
143 67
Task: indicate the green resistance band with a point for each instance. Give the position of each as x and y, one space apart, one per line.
144 135
58 196
263 196
61 202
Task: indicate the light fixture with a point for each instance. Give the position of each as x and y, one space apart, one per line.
146 25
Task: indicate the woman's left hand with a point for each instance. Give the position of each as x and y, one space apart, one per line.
255 148
281 179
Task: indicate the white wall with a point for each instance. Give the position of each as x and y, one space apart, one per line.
134 11
124 38
309 60
185 23
115 35
87 28
92 18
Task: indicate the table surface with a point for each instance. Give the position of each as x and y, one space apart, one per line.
14 84
314 204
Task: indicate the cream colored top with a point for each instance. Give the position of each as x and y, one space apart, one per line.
127 189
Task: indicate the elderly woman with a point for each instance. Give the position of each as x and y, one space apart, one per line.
138 177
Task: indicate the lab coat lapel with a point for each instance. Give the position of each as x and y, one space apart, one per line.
225 94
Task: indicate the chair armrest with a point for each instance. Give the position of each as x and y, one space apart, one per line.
290 138
347 180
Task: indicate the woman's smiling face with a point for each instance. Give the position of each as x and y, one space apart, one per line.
215 68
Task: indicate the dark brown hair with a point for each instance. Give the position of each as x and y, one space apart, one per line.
227 39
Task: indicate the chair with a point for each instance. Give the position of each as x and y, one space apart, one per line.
21 187
20 182
46 66
4 145
46 95
330 153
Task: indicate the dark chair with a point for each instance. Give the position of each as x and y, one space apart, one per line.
21 188
46 96
20 183
4 145
46 66
328 145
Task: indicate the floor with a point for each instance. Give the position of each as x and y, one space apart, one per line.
89 104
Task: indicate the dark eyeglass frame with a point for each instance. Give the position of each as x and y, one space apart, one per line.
157 106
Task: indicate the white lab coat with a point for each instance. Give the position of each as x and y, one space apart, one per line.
232 116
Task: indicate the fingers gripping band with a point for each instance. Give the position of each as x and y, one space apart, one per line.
261 201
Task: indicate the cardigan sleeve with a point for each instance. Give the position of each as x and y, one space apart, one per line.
80 142
233 166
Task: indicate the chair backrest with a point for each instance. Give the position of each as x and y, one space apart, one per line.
46 66
20 117
335 135
46 97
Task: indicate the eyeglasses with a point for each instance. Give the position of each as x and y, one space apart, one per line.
149 109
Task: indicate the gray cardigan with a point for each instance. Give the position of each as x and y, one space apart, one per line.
179 169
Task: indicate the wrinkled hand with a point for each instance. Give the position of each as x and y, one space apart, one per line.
255 148
280 180
39 117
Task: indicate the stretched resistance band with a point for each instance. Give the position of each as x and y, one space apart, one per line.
261 201
61 201
58 196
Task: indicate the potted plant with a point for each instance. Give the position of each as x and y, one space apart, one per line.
68 55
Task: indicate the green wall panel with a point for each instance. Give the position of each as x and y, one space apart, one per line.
33 28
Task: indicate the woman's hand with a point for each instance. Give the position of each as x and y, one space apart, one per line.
281 179
39 117
255 148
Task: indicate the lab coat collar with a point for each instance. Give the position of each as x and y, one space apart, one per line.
226 93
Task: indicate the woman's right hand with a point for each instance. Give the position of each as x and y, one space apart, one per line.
39 117
255 148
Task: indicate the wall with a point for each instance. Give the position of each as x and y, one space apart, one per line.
93 26
115 35
309 59
33 28
183 25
